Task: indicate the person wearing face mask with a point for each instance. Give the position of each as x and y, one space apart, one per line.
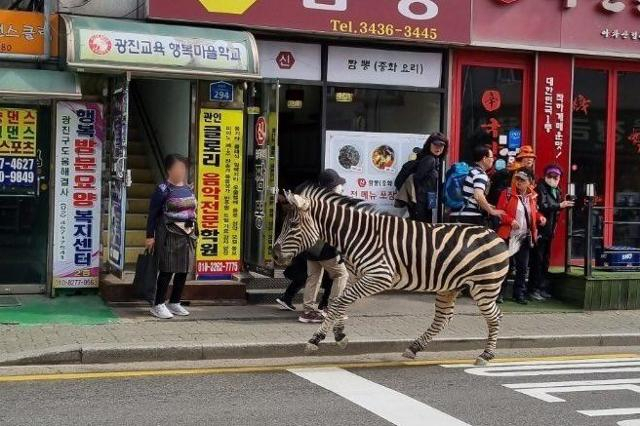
323 257
550 203
519 226
426 178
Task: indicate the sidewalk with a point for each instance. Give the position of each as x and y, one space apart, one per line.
384 323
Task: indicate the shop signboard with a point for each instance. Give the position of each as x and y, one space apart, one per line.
80 134
370 162
22 33
18 148
599 26
220 177
293 61
118 179
393 68
145 49
426 21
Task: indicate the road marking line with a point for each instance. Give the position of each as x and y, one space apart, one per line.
611 412
123 374
543 394
572 383
553 360
389 404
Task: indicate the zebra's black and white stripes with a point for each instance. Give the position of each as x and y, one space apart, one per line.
388 252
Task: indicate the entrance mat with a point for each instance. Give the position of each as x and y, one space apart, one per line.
40 310
535 307
9 301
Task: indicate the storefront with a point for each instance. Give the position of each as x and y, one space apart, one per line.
330 99
563 78
151 90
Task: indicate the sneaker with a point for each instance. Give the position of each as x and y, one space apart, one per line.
546 294
536 296
161 311
521 301
310 317
284 305
177 309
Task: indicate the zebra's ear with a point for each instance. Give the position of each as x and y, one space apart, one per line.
301 203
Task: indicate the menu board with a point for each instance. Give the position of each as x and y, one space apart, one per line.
370 162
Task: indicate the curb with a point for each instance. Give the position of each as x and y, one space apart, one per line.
108 354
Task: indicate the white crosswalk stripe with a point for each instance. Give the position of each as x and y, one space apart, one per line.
386 403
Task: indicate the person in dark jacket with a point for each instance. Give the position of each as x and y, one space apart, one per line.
323 258
550 203
426 178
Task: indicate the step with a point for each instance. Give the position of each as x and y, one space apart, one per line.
141 190
142 176
137 162
136 148
138 205
134 221
132 238
131 254
268 297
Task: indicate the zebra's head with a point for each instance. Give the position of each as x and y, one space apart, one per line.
299 230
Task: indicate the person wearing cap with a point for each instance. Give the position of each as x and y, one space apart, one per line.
503 178
426 178
323 257
550 203
519 226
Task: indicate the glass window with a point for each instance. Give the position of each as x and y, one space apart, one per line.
627 166
491 103
389 111
588 145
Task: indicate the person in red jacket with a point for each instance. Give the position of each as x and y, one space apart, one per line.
519 226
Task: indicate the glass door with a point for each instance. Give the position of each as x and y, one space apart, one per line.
262 177
119 112
24 194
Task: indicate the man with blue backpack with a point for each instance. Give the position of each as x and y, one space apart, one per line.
466 188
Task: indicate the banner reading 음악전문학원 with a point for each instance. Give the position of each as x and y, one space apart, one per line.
220 171
80 134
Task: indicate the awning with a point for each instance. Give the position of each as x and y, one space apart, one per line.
38 84
117 45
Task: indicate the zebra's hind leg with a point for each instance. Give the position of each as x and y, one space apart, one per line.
445 304
485 298
365 286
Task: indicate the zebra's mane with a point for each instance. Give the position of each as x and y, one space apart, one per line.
317 192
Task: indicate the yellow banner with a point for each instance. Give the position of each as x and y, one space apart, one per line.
18 132
220 168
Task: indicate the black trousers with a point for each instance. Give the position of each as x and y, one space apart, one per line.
164 278
297 285
539 265
521 264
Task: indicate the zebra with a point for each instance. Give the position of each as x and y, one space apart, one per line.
389 252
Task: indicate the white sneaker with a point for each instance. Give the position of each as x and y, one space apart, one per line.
161 311
177 309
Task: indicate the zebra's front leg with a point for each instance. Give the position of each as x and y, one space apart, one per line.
486 301
445 304
365 286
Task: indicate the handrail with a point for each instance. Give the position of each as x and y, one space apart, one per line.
150 134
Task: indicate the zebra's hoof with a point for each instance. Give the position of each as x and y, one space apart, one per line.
310 349
342 344
409 354
481 362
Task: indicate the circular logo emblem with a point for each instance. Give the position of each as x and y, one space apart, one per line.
261 131
100 44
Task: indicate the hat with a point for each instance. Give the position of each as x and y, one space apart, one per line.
526 152
437 138
524 174
553 169
329 179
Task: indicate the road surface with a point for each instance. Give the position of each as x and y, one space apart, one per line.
598 390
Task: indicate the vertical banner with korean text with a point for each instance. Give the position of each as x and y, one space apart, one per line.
18 148
553 126
220 171
80 134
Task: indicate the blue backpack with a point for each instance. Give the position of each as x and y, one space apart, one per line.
453 183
